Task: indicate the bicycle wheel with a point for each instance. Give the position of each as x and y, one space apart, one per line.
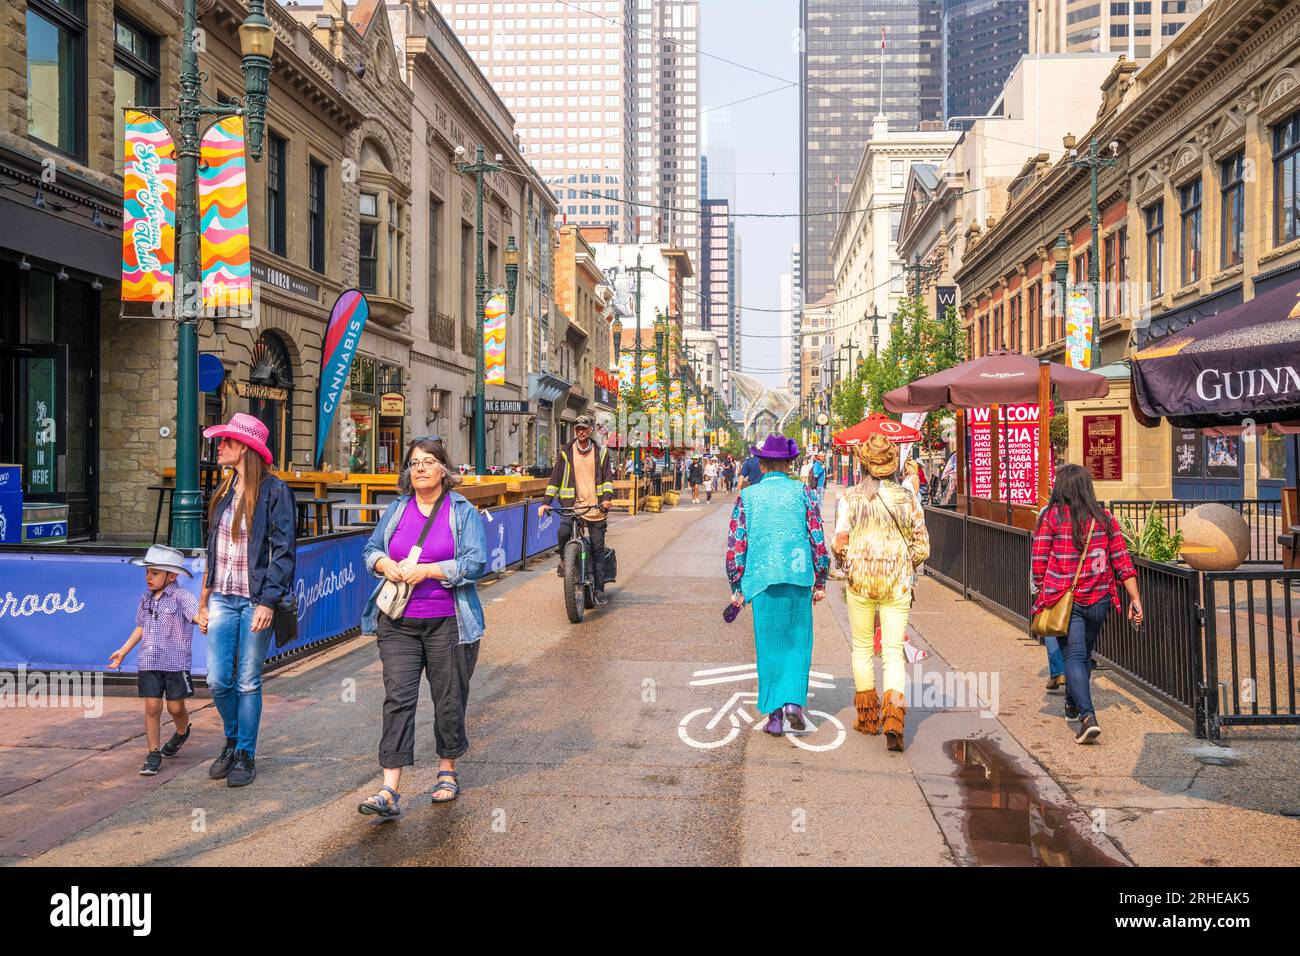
573 587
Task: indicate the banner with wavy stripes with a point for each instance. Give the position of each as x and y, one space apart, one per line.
148 211
494 340
223 216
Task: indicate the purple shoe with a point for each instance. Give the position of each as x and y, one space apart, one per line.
794 714
774 726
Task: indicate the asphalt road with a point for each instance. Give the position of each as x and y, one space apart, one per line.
579 754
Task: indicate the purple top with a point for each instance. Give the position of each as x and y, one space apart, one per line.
430 598
167 623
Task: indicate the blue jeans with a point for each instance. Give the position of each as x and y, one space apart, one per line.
1085 625
1055 659
235 656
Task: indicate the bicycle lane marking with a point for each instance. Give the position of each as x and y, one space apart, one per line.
709 676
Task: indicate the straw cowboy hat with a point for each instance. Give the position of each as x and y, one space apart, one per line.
159 557
879 456
246 429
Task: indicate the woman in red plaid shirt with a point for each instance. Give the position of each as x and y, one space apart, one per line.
1073 514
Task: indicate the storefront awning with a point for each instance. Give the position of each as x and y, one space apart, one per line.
543 386
1243 363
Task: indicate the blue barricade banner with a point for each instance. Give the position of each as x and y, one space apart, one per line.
504 530
540 533
78 622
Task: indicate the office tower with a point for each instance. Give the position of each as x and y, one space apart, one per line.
1136 28
719 144
983 42
568 74
794 302
737 349
717 281
667 144
840 69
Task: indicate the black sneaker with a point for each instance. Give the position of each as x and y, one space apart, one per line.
221 766
173 746
1088 730
243 771
1071 712
151 763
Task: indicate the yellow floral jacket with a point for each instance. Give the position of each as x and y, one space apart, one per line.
887 540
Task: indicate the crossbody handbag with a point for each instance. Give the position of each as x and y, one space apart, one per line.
1054 620
394 595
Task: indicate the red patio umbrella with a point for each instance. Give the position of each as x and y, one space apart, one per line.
877 423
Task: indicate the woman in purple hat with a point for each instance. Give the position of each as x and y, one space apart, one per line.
777 561
251 556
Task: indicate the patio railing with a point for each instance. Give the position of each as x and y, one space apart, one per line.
1263 516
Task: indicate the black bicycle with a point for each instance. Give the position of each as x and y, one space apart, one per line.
579 569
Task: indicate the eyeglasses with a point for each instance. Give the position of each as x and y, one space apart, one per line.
424 464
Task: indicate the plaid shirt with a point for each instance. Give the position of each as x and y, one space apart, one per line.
232 557
168 625
1055 559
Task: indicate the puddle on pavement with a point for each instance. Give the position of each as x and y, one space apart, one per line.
1006 821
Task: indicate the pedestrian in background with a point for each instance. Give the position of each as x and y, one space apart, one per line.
777 561
252 554
164 629
711 472
1078 547
430 540
696 478
750 472
880 540
729 474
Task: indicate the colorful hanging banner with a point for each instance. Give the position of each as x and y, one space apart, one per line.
148 211
675 393
1078 330
342 336
649 377
494 339
223 217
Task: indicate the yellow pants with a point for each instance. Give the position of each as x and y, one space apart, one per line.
893 625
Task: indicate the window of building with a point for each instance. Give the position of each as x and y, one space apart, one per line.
1154 216
1035 316
316 216
1014 340
135 77
56 74
1286 180
276 216
369 252
1232 205
466 272
435 225
1189 203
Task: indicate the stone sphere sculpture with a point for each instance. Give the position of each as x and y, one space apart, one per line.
1219 527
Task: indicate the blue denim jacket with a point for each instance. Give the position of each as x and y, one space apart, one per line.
272 543
461 572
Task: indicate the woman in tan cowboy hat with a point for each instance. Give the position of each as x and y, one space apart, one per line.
880 538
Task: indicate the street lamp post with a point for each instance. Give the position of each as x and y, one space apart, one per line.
1061 256
636 358
256 41
1094 162
478 169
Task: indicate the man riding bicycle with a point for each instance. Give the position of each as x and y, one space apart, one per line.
582 477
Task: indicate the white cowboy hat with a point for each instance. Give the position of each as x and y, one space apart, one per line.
162 558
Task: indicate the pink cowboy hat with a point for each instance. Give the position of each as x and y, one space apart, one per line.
246 429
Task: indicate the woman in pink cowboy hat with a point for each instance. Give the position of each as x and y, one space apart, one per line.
251 554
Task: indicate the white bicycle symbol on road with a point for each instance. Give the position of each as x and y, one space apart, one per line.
740 708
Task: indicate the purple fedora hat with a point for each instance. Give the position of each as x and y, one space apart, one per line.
776 446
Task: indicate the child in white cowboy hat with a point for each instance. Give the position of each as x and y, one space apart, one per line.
164 629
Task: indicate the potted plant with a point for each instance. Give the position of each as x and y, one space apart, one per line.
1153 541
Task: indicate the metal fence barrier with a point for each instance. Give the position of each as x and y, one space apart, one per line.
1250 648
1263 516
1219 648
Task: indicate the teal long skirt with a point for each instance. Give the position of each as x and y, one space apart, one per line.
783 642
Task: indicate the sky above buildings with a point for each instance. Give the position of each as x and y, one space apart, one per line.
759 38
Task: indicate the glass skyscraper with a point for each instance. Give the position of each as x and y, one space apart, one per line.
840 69
983 42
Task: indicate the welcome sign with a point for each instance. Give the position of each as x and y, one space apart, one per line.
342 336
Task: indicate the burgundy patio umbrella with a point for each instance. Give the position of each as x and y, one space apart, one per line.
999 378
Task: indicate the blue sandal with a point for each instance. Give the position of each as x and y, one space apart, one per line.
383 804
448 785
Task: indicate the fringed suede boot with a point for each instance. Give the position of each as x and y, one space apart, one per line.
868 707
894 711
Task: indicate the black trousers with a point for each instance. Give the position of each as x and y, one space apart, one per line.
597 529
408 648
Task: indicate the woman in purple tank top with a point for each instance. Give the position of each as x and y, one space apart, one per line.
425 639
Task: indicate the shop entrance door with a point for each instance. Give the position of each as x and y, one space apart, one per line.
38 399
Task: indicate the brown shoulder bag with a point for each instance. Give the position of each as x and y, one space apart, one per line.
1054 620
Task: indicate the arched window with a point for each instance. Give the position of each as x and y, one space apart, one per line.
270 394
